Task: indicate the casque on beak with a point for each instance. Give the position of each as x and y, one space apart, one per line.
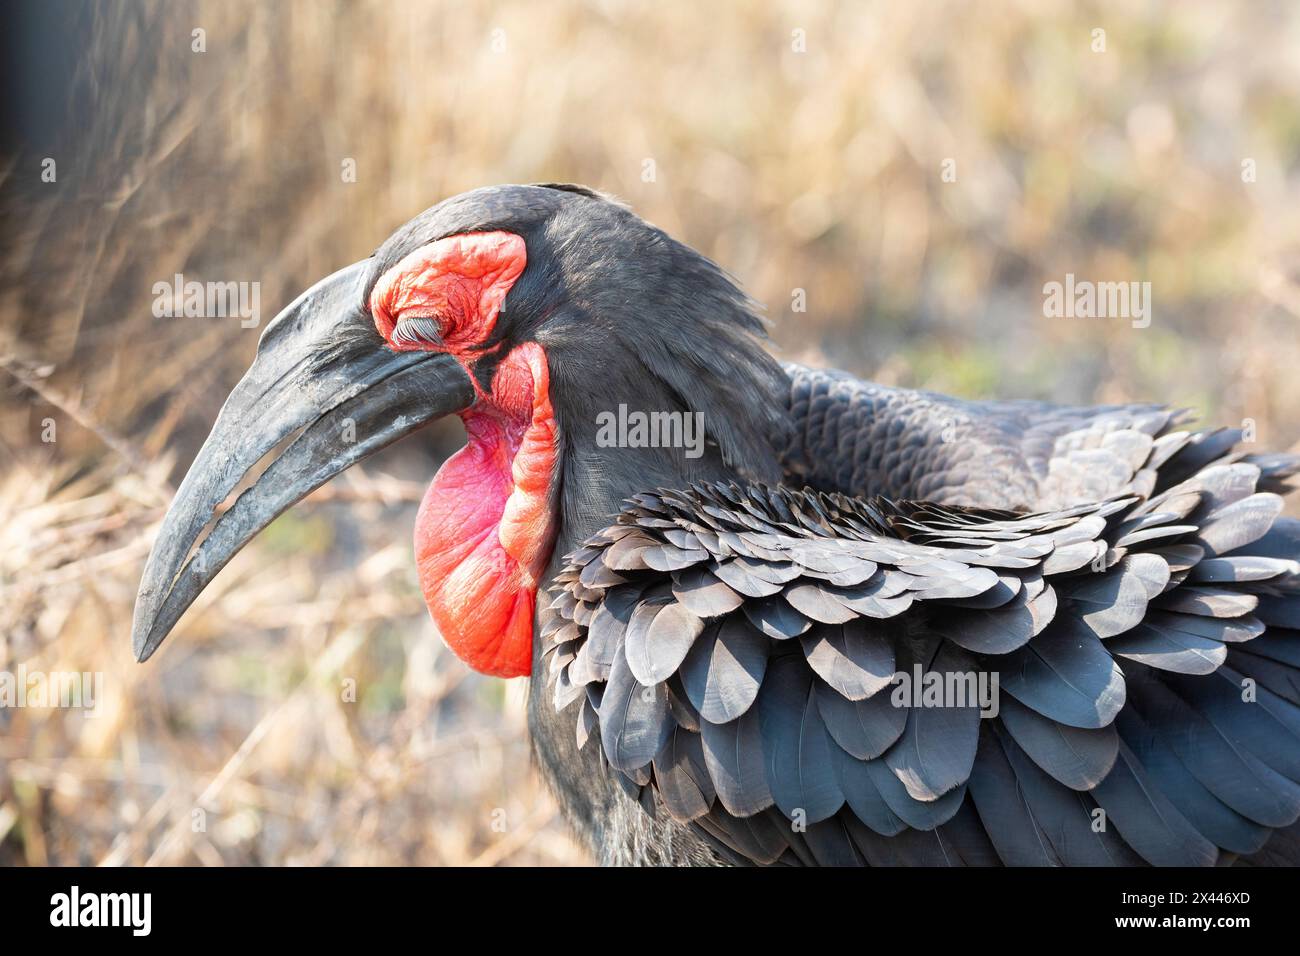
322 376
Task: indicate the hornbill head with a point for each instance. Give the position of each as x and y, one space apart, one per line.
526 310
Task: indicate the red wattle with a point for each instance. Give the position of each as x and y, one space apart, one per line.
485 529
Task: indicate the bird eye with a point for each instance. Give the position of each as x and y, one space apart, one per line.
417 330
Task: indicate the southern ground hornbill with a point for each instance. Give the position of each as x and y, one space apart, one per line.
722 638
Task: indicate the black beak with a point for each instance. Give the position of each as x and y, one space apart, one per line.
323 372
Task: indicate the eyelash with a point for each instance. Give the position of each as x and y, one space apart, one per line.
417 330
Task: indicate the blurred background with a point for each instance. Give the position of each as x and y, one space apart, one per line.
919 171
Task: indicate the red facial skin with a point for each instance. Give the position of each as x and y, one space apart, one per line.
485 528
461 279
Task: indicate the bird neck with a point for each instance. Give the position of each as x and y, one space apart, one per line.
600 474
486 526
500 507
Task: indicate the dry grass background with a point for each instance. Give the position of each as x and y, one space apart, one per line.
817 170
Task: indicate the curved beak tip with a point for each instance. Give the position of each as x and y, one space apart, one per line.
320 374
144 640
141 646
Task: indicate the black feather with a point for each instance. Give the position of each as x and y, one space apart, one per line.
1207 813
937 747
1147 820
854 659
701 592
795 743
658 639
682 777
1110 603
1066 674
634 720
724 670
775 618
1076 757
733 754
865 728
